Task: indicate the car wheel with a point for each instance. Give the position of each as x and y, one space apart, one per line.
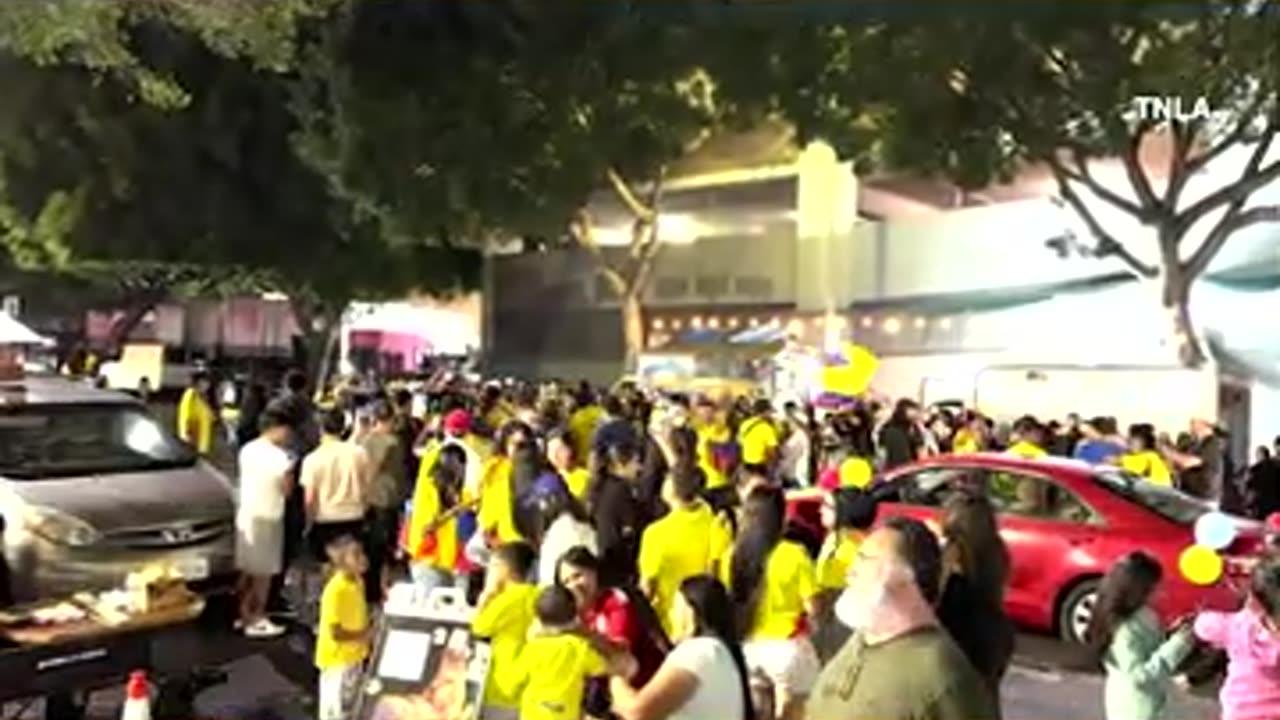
1076 611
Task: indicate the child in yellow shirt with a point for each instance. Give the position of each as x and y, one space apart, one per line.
557 660
504 615
344 634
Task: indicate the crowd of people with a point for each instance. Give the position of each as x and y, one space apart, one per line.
630 557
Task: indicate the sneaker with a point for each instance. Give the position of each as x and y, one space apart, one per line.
263 629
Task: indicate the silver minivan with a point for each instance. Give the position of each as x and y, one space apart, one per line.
93 487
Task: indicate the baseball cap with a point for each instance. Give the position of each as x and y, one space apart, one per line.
457 422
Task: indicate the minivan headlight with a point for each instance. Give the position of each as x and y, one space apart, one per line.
59 527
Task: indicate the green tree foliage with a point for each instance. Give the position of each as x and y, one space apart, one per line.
978 96
209 196
465 121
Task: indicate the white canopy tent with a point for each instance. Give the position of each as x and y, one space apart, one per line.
13 332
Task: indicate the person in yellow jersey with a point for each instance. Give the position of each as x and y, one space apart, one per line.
583 421
718 453
432 542
847 516
774 586
972 436
562 454
1028 439
504 615
495 518
195 416
1143 459
558 659
758 436
689 540
344 633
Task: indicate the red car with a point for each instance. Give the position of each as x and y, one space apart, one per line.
1065 523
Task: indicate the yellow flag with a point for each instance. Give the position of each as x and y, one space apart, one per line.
853 377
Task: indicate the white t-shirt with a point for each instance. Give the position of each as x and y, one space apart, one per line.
564 534
263 468
719 693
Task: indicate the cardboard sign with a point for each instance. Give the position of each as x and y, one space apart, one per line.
426 664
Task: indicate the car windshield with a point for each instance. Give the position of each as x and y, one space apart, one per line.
49 441
1160 499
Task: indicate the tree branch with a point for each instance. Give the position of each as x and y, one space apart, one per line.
1232 221
1254 177
1082 175
1107 244
1138 179
1184 136
628 196
582 229
1236 135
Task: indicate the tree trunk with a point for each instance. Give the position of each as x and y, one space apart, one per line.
632 310
1176 299
133 314
326 345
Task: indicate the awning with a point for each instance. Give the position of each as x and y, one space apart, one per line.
13 332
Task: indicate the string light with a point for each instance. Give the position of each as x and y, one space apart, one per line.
919 323
658 324
754 322
945 323
696 322
892 326
676 324
714 323
733 323
867 322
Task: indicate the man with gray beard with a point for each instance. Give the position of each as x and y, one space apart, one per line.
899 664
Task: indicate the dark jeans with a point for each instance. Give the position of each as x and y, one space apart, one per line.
382 533
324 533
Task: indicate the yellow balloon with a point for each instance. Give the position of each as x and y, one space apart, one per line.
1200 565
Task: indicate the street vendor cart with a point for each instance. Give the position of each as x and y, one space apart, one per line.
63 649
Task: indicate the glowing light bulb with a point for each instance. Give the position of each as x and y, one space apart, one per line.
892 326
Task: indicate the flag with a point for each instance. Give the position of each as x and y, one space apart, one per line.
851 372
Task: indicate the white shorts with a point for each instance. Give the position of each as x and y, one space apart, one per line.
338 687
791 665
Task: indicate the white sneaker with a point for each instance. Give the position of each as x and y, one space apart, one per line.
263 629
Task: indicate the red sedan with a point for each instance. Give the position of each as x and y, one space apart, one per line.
1065 524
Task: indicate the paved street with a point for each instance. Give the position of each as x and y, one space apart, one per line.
270 684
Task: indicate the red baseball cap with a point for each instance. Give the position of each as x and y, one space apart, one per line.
457 422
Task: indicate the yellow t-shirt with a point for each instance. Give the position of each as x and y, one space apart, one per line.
554 671
965 442
685 542
789 582
495 516
759 439
195 421
505 621
426 508
710 435
342 603
577 480
856 472
836 557
1149 465
1026 450
582 427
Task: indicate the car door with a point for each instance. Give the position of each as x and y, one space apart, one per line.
1047 529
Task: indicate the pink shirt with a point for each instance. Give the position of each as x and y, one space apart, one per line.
1252 687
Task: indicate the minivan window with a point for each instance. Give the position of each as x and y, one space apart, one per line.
49 441
1160 499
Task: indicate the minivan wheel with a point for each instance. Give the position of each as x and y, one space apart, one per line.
1076 611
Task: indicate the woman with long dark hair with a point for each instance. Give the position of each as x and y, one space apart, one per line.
705 676
1126 639
432 538
773 585
975 572
616 512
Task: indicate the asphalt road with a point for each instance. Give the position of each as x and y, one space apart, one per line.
272 681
